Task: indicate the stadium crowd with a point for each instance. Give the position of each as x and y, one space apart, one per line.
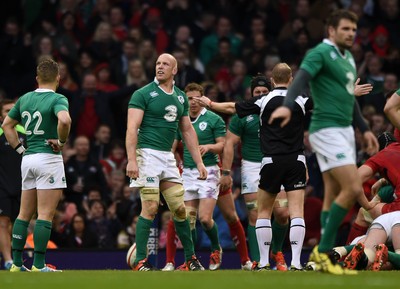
106 50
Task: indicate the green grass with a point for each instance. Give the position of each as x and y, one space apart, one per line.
192 280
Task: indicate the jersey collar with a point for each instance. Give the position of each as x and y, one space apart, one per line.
327 41
43 90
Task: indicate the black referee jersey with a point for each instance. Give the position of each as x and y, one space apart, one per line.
277 140
10 166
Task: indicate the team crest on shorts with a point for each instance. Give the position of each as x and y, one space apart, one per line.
202 125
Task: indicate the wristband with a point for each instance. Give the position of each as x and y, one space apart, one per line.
61 143
210 103
20 148
226 172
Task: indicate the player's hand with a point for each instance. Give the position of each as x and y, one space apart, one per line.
132 170
283 113
54 144
203 149
371 143
362 89
202 171
203 101
375 187
225 182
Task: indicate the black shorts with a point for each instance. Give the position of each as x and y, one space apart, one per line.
9 206
286 170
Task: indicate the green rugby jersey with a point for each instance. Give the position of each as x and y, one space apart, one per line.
208 127
37 112
162 112
248 129
332 85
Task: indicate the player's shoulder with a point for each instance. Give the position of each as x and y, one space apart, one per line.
212 115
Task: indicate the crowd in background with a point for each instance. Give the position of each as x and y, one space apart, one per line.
107 49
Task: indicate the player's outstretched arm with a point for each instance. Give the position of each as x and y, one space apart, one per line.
190 137
222 107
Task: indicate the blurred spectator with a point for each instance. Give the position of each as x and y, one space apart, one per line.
103 76
202 26
66 80
120 65
294 48
375 74
15 60
116 160
239 80
302 19
223 60
152 28
104 45
390 19
79 235
117 21
177 13
182 36
92 193
377 100
380 41
131 229
186 73
210 45
83 172
148 56
100 146
100 13
85 65
105 228
69 37
136 74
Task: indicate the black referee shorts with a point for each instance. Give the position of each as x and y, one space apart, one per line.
9 206
286 170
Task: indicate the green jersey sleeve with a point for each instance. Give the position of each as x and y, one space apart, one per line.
219 128
14 113
235 126
137 101
312 62
61 104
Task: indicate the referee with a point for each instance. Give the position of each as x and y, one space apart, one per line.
10 184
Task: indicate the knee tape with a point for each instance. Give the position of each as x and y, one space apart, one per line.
251 205
366 215
174 198
191 213
281 203
150 194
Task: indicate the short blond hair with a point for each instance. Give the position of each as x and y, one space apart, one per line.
47 70
281 73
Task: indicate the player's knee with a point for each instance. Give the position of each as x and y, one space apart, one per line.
174 198
150 200
206 222
231 217
191 213
4 223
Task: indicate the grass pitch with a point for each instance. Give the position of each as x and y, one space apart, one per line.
229 279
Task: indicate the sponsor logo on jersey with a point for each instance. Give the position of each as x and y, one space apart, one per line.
202 125
153 94
181 99
250 118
